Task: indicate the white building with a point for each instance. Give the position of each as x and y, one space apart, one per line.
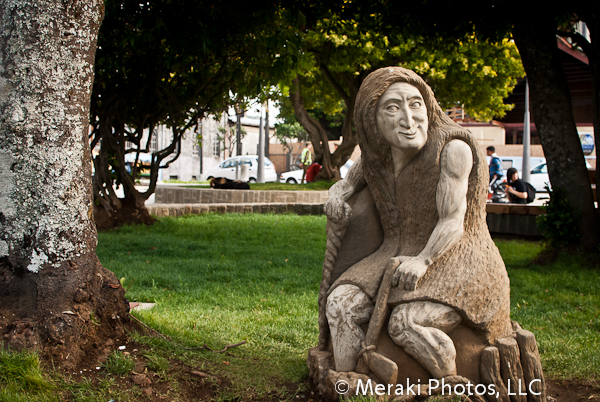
218 144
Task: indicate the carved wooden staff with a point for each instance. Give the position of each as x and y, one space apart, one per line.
383 367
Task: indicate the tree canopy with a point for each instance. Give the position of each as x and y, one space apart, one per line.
338 53
170 62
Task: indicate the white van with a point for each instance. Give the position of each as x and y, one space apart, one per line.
228 167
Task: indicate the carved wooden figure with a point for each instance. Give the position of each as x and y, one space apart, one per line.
413 286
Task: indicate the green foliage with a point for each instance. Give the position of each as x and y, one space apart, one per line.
119 363
478 75
286 132
340 49
559 225
466 71
173 62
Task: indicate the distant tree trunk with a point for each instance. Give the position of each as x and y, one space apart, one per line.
591 15
553 115
349 138
317 134
330 162
111 211
55 295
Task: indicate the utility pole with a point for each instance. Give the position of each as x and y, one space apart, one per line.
525 168
261 151
238 129
267 128
199 137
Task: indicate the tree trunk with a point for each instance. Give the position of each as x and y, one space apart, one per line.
349 138
317 134
592 19
330 162
55 295
553 115
110 211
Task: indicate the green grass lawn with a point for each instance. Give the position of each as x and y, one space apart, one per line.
221 279
560 304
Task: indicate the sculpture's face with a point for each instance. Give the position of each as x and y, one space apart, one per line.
402 117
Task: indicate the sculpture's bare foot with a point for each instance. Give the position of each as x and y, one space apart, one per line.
385 369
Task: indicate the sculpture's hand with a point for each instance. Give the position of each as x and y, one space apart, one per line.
409 272
337 210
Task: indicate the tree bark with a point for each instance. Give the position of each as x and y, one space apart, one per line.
553 114
349 138
55 295
591 16
317 134
330 162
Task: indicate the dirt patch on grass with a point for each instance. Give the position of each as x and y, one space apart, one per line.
66 313
180 380
570 391
177 381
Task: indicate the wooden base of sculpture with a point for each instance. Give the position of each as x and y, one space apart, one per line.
509 371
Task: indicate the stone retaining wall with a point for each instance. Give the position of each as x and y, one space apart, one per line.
182 195
160 210
514 219
178 201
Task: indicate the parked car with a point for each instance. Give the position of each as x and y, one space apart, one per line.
228 167
517 162
538 177
294 176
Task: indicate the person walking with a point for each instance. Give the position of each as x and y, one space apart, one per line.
496 171
305 160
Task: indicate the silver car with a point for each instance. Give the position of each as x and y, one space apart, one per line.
294 176
228 167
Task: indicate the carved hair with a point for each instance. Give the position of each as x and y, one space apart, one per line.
376 152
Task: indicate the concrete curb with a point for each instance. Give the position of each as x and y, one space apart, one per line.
161 210
180 201
182 195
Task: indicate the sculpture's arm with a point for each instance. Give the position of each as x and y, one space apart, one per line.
336 207
451 200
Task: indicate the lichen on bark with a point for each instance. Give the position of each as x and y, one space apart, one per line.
46 71
48 264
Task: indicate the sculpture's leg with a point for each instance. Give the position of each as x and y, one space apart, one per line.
420 328
348 307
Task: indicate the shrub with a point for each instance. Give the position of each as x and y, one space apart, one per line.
560 223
